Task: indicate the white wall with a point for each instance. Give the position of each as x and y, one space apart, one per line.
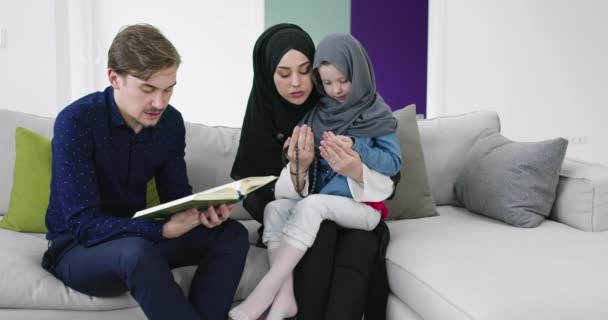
542 65
57 52
29 76
215 39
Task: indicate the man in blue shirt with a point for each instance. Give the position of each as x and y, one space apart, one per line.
106 147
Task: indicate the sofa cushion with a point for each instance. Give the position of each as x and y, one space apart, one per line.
446 142
9 121
31 183
582 196
412 197
25 285
134 313
514 182
461 265
396 309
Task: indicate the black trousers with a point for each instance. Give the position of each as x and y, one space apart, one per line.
142 267
343 274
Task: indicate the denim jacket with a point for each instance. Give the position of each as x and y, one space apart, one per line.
381 154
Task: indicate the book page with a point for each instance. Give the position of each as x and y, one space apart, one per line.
232 185
251 184
228 193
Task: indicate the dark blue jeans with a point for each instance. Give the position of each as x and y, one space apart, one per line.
144 268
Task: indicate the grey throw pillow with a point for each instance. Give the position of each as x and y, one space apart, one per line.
515 182
413 197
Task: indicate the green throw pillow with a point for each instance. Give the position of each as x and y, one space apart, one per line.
152 198
32 184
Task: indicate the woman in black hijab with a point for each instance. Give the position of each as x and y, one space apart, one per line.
333 279
270 118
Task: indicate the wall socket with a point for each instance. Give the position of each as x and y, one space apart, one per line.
578 140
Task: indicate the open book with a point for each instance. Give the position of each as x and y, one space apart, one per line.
229 193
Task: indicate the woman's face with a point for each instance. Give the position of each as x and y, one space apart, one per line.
293 77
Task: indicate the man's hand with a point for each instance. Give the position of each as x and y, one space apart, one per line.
181 223
184 221
212 217
338 152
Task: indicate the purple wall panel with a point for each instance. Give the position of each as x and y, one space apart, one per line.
395 33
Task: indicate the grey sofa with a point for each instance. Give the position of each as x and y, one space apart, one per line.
457 265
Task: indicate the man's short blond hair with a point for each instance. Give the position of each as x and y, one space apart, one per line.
140 50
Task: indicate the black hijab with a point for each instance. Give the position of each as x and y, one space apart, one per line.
269 118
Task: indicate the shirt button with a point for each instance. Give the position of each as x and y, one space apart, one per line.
280 136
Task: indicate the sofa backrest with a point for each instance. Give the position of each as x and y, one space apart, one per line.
446 142
210 151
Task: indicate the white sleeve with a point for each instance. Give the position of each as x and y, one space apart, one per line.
376 187
284 188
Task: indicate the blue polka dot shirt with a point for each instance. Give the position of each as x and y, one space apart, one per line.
100 170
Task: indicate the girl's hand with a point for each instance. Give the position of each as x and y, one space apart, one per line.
341 157
345 141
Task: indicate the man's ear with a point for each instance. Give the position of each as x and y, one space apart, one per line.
114 79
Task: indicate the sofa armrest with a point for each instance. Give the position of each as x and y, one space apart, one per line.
582 196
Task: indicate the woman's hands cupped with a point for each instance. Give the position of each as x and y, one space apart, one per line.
303 140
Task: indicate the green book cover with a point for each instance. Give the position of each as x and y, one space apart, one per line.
229 193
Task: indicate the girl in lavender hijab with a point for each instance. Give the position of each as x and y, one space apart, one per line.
314 185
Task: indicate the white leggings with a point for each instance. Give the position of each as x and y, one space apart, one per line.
301 219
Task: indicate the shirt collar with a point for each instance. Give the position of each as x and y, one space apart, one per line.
116 119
